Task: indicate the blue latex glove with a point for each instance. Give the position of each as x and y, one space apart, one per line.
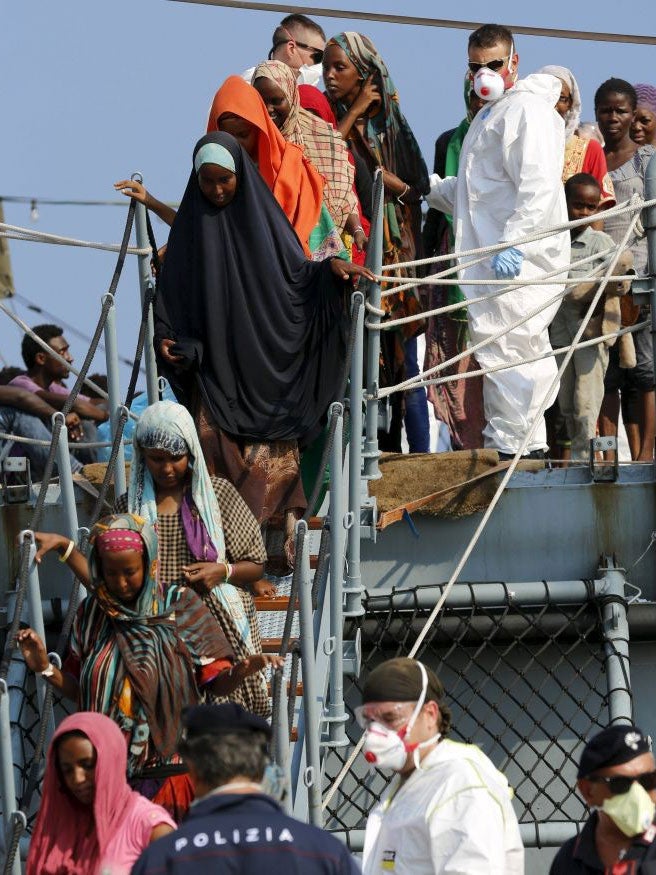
507 263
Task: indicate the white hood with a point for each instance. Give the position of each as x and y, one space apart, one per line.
543 85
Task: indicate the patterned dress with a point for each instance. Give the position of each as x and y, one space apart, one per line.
243 541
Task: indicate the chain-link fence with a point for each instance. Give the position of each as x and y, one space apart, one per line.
525 681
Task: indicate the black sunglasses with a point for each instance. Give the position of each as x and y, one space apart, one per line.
619 784
315 54
495 65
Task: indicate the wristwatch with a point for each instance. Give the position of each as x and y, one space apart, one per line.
49 671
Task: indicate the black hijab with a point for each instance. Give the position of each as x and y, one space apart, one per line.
261 328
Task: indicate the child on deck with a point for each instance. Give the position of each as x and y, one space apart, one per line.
582 384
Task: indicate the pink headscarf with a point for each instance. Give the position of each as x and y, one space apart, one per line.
71 837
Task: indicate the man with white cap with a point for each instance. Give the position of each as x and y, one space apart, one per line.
508 187
449 809
617 780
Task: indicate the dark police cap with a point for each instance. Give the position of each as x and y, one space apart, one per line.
221 719
400 680
612 747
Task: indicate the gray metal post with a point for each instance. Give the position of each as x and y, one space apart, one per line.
312 776
146 285
616 646
10 813
375 263
353 588
66 478
337 717
66 487
114 392
35 608
281 743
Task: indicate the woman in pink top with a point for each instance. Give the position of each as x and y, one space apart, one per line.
90 822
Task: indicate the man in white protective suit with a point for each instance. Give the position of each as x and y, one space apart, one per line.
448 811
508 187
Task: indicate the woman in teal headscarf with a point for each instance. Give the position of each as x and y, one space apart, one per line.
459 404
366 104
208 537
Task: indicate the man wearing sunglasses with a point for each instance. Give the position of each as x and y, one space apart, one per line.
509 187
617 779
448 810
298 41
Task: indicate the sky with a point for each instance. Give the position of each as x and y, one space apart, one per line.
92 91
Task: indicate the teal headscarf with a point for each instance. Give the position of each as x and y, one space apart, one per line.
168 426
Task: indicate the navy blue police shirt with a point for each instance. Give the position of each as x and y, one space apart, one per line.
247 834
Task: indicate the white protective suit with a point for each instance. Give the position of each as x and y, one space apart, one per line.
508 186
453 815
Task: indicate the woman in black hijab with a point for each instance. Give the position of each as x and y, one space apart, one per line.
249 332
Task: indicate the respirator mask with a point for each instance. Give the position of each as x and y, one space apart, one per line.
386 748
489 84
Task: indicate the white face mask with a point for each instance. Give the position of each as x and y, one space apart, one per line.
310 75
490 85
386 749
631 812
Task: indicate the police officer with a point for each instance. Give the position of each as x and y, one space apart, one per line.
617 779
233 826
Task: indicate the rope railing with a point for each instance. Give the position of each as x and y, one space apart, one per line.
506 288
21 589
496 497
414 381
38 442
29 235
506 366
636 204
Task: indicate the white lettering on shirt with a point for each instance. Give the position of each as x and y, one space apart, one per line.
268 832
218 838
201 839
180 844
253 834
285 836
235 836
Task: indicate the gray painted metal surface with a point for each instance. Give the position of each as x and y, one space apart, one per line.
553 524
114 392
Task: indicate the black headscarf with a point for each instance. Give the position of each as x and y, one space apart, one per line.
261 328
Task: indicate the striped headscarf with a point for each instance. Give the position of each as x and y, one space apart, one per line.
388 133
139 661
322 144
168 426
646 95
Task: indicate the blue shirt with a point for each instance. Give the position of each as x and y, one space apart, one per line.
245 834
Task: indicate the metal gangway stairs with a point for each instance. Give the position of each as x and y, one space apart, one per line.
515 657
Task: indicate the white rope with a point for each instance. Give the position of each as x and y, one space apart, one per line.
459 305
411 283
497 495
15 232
624 207
73 445
527 437
44 346
506 366
414 381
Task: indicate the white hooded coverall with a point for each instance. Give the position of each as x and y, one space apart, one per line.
452 816
509 186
